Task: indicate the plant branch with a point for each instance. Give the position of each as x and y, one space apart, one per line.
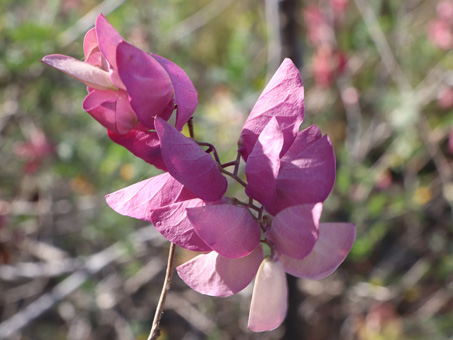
212 149
155 330
235 177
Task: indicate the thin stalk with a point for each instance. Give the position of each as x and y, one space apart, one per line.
155 330
212 149
237 161
235 177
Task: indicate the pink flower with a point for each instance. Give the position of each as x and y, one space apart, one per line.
35 151
290 172
440 29
284 166
186 162
445 97
300 245
441 34
127 88
327 65
319 31
339 6
444 10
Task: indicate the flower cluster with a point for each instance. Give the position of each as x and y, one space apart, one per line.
289 173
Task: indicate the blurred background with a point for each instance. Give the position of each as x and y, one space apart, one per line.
378 80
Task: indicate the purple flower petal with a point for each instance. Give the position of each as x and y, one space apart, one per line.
270 297
215 275
92 52
111 109
148 84
143 144
189 164
283 98
108 39
88 74
333 245
263 164
228 229
140 199
172 222
90 43
126 119
294 230
186 97
307 171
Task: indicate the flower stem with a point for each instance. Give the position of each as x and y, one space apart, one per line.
155 330
235 177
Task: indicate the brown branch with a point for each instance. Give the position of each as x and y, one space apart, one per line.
155 330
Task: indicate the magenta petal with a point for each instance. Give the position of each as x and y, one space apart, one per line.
108 39
101 105
263 164
90 43
215 275
172 222
295 230
189 164
126 119
186 97
333 245
270 297
283 98
148 84
140 199
228 229
143 144
88 74
307 171
111 109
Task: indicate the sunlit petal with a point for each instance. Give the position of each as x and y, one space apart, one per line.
270 297
228 229
283 98
215 275
108 39
140 199
333 245
147 83
263 164
172 222
295 230
307 171
186 97
143 144
88 74
189 164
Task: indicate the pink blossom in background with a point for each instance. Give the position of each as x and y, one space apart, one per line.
319 31
445 97
339 6
328 60
34 151
327 65
127 88
444 10
440 29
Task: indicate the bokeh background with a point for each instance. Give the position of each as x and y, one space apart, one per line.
378 80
